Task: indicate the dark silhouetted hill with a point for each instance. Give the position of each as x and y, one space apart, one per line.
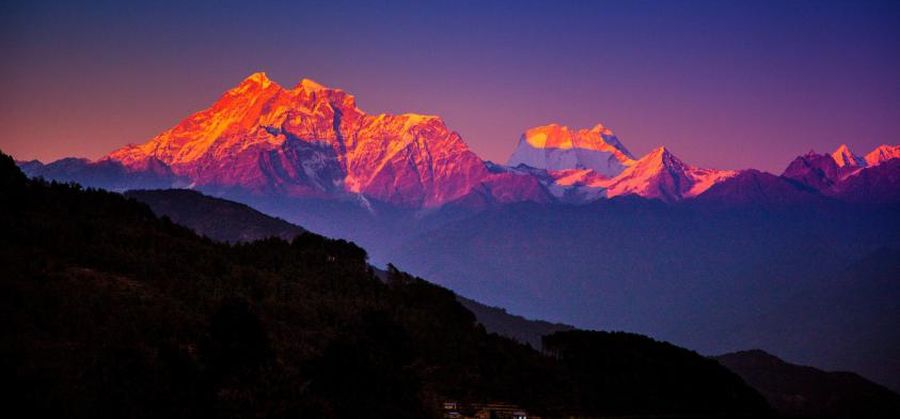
800 391
215 218
229 221
497 320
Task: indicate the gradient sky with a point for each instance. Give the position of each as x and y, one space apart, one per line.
723 83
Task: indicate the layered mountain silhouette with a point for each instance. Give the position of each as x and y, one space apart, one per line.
218 219
806 392
794 391
231 222
111 311
573 228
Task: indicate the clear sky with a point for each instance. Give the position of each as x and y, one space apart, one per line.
724 84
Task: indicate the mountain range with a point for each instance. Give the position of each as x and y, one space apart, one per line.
573 228
312 141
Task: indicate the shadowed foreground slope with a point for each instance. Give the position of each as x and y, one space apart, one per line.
233 222
793 390
108 310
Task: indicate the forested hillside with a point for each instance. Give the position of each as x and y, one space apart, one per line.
218 219
108 310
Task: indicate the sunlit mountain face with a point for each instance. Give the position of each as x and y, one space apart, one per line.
311 141
314 142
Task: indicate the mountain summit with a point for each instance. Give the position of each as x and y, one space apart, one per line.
313 141
843 157
556 147
662 175
883 153
843 172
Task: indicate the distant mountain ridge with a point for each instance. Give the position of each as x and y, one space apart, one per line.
499 321
215 218
798 273
844 175
800 391
313 142
231 222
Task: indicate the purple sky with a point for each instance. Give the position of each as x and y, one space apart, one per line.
722 83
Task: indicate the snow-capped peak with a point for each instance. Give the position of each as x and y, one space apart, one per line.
882 153
313 141
843 157
600 128
557 147
662 155
310 85
252 85
259 78
662 175
658 159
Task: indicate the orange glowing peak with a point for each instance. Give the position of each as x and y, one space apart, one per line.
418 118
310 85
882 153
260 78
557 147
660 156
600 128
313 141
660 152
561 137
844 157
